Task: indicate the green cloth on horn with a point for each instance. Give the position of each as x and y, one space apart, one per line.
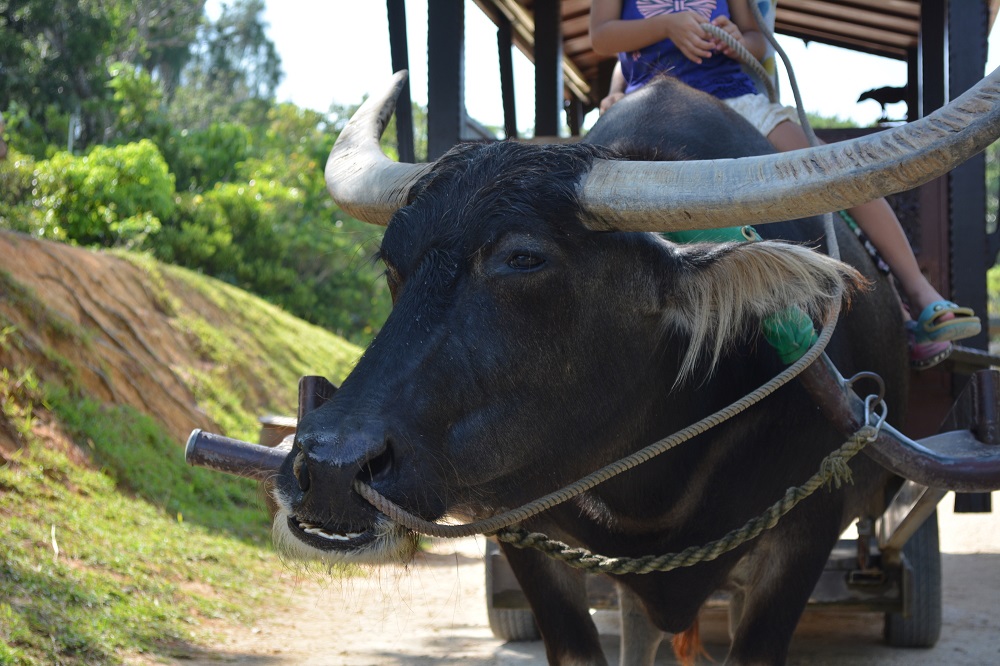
791 331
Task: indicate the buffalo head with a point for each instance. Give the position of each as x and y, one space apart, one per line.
527 346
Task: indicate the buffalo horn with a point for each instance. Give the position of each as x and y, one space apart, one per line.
668 196
364 182
701 194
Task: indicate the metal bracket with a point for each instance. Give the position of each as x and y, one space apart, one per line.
956 460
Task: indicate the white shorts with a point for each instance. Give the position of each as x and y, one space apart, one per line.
761 113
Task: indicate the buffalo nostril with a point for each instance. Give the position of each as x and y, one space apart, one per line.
378 466
301 471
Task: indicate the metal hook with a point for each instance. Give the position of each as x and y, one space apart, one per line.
849 383
873 403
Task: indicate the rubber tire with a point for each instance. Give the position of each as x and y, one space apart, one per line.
923 628
509 624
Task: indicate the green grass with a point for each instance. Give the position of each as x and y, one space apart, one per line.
256 356
111 545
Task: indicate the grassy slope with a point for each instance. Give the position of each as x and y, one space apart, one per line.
111 546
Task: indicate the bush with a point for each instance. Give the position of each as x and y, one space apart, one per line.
201 158
17 183
114 196
233 232
257 236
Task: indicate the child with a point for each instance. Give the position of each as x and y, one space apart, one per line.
653 37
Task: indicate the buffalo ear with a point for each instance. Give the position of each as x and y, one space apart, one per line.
721 289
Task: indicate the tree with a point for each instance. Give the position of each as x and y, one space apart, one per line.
234 71
52 61
55 57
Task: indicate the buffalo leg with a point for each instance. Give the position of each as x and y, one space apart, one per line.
640 638
783 574
558 598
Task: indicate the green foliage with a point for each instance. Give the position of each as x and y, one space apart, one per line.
138 103
260 237
89 573
233 72
200 158
992 186
37 134
53 53
128 445
113 196
240 60
17 182
248 203
231 386
56 55
829 122
993 290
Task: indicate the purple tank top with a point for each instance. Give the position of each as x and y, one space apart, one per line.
719 75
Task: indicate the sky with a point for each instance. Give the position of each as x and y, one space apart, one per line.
337 51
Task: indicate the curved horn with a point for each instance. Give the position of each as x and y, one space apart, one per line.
364 182
668 196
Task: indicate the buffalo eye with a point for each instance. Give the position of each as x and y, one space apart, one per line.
524 261
392 280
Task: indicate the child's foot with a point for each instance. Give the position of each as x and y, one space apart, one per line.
924 355
942 321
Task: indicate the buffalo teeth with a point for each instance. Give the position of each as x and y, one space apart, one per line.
309 528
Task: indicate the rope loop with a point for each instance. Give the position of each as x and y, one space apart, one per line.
833 471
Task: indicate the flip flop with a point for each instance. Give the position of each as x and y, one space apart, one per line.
924 355
931 326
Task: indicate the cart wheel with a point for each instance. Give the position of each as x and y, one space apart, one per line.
509 624
923 626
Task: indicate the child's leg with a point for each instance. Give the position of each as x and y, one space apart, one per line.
879 222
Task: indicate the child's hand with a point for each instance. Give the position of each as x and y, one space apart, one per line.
610 100
730 27
684 30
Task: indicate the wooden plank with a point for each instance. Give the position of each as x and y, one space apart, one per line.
574 47
842 41
840 28
904 8
853 15
577 26
574 7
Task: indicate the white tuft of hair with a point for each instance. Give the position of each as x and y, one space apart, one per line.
393 543
725 288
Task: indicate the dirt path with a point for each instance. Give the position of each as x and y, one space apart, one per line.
433 612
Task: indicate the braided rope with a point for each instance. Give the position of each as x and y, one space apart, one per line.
745 57
833 470
504 520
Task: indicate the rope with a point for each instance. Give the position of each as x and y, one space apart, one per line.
769 36
745 57
831 237
833 471
496 523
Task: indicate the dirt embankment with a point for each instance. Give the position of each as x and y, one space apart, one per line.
98 318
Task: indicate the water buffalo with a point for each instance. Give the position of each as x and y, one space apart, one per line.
539 332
